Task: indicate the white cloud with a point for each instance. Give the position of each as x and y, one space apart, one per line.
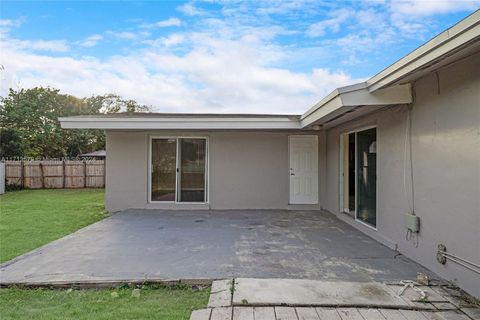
39 45
10 23
47 45
215 75
174 39
371 19
333 24
289 8
91 41
430 7
415 17
124 35
190 10
6 25
171 22
368 41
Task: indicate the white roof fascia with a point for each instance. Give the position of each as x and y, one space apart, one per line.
331 108
183 123
458 35
398 94
346 98
333 95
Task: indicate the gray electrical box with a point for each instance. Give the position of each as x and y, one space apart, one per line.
412 222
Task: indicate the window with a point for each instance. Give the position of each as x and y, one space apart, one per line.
178 171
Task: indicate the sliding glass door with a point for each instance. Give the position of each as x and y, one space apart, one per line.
178 170
367 176
164 169
192 170
359 172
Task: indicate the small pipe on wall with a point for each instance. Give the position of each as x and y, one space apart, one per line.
443 256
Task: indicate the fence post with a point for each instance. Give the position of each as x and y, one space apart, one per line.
22 174
84 173
42 175
63 173
3 171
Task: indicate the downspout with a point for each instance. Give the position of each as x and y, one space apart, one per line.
412 220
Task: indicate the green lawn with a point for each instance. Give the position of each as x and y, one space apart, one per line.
32 218
161 303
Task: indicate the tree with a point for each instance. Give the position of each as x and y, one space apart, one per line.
112 103
10 143
30 125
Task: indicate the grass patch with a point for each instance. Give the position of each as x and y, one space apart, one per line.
153 303
32 218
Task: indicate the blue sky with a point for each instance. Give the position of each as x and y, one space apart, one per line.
213 56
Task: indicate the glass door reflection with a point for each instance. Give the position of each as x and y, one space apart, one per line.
192 186
367 176
164 165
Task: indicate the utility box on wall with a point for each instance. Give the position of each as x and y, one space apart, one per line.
412 222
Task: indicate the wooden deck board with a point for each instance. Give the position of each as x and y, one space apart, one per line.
243 313
349 314
328 314
391 314
222 313
264 313
307 314
285 313
371 314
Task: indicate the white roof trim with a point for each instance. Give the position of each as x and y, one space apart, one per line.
449 40
346 98
335 93
336 103
188 123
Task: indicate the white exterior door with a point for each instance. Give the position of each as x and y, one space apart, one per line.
303 154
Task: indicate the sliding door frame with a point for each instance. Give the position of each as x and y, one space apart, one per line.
177 169
342 174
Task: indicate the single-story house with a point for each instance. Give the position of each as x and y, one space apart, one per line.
397 157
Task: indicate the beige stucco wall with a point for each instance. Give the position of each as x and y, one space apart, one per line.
446 163
247 170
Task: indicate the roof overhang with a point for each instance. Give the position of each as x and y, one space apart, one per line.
392 86
460 40
345 100
180 122
340 102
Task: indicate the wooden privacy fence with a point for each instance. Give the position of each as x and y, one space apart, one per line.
55 174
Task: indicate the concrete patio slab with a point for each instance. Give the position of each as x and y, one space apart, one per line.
299 292
221 293
142 245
